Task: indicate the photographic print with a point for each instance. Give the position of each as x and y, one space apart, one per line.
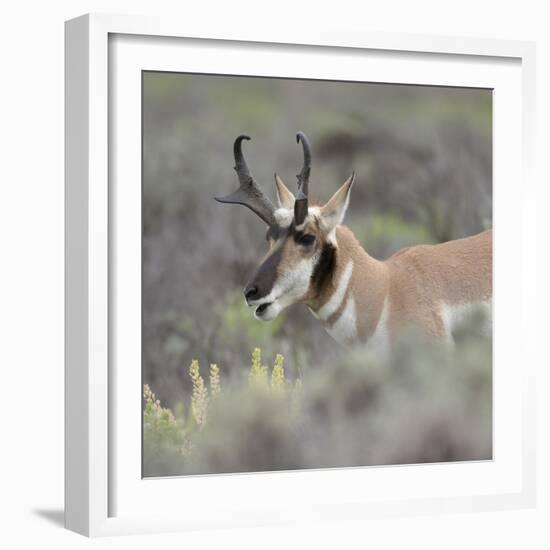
316 274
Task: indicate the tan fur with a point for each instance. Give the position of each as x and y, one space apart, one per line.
413 283
291 254
364 296
425 277
368 274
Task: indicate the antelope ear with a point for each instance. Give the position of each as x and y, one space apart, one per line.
333 212
285 198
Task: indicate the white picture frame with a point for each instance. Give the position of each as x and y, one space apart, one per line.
104 492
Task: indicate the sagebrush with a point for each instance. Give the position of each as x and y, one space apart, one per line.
424 403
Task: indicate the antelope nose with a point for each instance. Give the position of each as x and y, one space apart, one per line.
250 292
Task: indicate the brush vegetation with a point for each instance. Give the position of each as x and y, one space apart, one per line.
423 403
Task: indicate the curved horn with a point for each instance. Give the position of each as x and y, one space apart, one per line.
301 203
303 176
249 193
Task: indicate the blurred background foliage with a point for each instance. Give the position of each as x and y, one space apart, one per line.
423 403
423 159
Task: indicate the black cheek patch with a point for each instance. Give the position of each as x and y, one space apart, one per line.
324 267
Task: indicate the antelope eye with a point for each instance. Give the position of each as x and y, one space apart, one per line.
306 240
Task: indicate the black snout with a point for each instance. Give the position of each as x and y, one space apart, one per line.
261 283
251 292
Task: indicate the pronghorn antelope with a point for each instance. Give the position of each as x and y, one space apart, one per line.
313 259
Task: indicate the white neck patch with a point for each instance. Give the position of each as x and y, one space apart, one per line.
338 295
344 329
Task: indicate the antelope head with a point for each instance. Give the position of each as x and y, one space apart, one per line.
301 238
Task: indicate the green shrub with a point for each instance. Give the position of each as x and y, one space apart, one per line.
424 402
164 438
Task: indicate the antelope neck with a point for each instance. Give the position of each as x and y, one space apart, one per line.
357 283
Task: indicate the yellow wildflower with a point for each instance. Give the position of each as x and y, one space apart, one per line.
215 387
199 397
278 381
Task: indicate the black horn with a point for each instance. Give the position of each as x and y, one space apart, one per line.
249 193
301 203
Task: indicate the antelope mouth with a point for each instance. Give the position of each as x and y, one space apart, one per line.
261 309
